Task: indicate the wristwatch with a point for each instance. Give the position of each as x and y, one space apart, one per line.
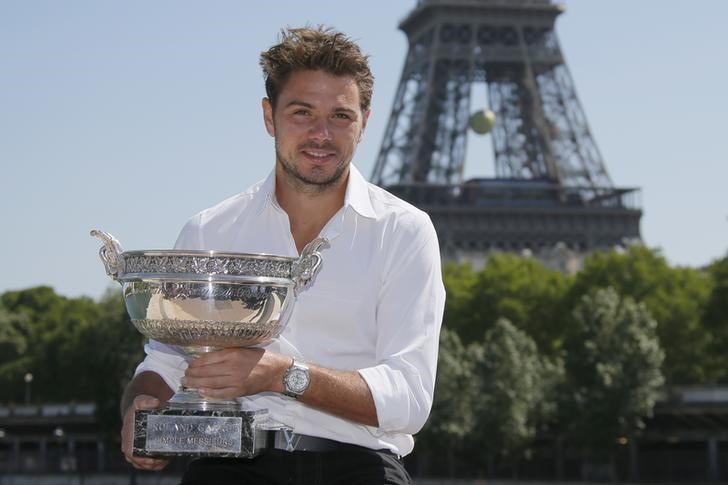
296 379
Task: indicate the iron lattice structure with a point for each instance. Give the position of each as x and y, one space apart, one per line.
545 155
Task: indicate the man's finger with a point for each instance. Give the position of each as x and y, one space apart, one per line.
216 382
212 358
208 371
147 463
223 393
145 402
226 355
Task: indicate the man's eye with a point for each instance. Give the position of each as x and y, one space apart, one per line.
342 116
301 112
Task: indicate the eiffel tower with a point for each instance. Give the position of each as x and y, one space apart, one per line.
552 189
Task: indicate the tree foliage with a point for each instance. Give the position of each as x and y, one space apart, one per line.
715 320
453 409
14 341
522 290
77 349
674 296
684 307
459 280
513 383
13 336
613 362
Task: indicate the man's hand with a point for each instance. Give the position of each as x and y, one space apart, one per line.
235 372
127 435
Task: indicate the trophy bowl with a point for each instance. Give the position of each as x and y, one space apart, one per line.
202 301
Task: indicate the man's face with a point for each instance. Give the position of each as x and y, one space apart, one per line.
317 124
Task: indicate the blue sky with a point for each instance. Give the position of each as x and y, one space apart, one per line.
133 115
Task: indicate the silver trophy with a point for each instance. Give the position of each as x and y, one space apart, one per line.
202 301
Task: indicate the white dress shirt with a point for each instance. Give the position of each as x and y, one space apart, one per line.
375 306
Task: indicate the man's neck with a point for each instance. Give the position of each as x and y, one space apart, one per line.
309 211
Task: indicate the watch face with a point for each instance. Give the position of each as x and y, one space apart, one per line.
297 380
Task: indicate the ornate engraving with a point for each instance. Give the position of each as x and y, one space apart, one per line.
206 265
210 333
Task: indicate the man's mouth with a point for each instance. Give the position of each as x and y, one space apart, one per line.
320 156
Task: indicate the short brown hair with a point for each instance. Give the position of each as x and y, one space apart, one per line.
318 48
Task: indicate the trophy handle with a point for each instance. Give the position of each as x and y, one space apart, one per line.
110 253
306 267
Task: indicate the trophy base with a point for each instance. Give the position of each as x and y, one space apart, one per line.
197 433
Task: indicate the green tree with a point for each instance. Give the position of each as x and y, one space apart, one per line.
675 297
77 349
108 353
523 290
55 324
515 385
452 417
13 332
42 311
715 319
613 362
13 346
459 280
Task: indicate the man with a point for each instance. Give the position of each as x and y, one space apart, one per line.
363 336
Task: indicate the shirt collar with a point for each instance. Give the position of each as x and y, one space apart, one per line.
357 193
265 193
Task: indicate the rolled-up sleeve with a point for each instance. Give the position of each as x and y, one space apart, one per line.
409 314
167 361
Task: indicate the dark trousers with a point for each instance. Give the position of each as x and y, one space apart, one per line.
278 467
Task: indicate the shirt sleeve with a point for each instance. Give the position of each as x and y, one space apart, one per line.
165 360
190 237
409 316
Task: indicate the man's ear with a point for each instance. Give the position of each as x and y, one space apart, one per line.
268 117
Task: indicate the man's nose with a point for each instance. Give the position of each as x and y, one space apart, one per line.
320 130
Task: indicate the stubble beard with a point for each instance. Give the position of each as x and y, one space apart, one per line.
309 184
